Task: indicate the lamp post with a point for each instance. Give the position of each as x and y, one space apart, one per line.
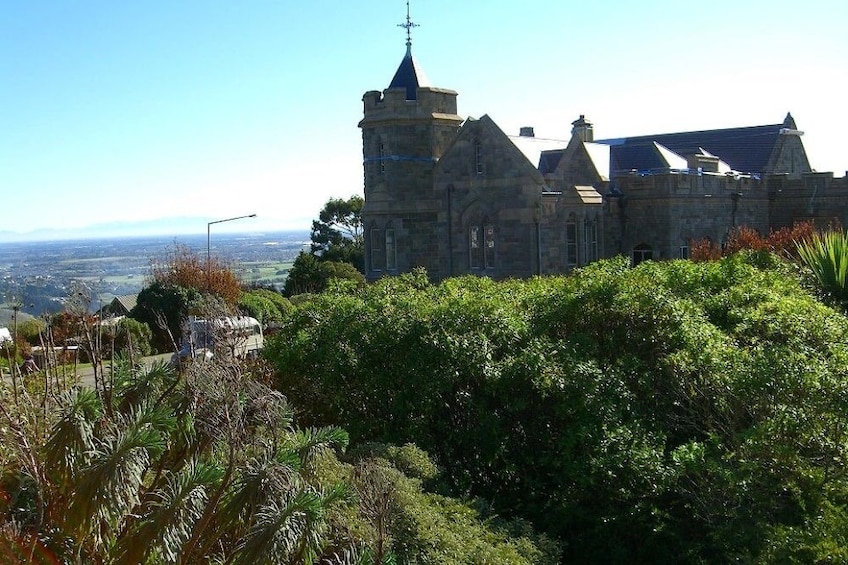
209 240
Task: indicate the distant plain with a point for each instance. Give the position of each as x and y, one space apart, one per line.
37 276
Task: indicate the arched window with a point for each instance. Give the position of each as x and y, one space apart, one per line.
489 241
571 241
642 252
382 248
375 243
481 245
590 239
391 249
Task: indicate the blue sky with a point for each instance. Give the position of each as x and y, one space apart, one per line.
133 111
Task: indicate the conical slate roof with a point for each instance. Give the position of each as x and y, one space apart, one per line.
409 76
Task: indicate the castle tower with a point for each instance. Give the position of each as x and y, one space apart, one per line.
405 130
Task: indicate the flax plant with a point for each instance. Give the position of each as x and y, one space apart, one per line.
826 255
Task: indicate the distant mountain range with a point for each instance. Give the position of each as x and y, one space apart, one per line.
159 227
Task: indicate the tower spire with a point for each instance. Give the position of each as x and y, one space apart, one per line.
408 25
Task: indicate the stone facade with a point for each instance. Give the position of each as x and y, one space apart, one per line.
460 196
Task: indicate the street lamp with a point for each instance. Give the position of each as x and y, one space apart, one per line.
209 234
209 239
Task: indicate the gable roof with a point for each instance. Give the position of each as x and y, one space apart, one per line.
536 148
599 155
485 127
123 304
549 160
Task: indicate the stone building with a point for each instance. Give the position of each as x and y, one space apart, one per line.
459 196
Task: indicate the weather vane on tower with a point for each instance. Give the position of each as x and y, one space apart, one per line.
408 25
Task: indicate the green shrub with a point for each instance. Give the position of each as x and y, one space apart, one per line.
673 411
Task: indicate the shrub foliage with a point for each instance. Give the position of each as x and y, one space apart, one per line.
673 412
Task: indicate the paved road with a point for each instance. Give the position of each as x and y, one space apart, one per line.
86 374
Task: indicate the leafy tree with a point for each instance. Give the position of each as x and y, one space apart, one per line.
676 411
267 306
163 307
127 337
410 525
31 330
305 276
184 268
337 233
309 275
281 302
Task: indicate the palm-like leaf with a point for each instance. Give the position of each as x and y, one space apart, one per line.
310 442
827 256
109 486
142 384
290 528
70 444
166 523
262 479
265 406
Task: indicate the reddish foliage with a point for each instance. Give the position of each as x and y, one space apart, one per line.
183 267
781 241
704 250
66 325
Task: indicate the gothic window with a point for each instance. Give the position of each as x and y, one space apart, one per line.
642 252
478 157
590 240
571 242
481 245
377 261
475 247
391 250
489 249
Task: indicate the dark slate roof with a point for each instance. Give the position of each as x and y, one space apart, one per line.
549 160
638 156
745 149
409 76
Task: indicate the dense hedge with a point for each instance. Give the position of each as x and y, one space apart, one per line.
674 412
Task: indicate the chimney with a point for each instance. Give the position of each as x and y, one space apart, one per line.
526 131
582 128
704 163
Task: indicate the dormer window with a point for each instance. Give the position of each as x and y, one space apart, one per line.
478 156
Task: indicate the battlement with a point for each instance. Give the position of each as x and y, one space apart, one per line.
392 103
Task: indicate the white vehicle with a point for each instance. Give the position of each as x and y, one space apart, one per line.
232 337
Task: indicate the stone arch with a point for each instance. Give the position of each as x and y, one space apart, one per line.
642 252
